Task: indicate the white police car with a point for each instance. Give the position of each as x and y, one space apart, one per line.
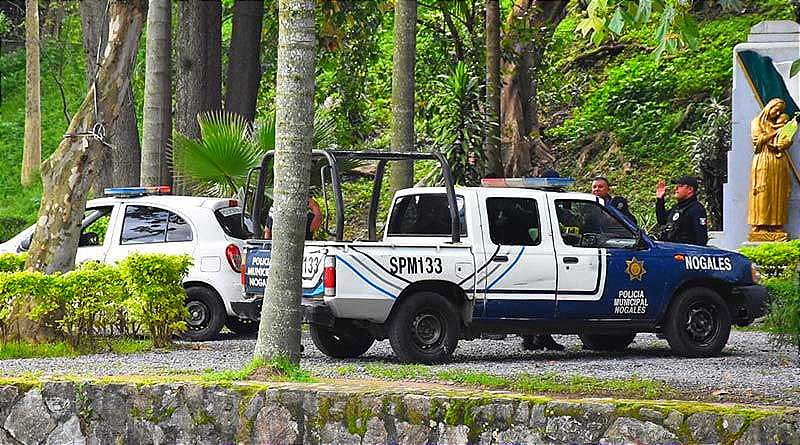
138 219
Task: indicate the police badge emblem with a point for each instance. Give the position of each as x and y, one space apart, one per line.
635 269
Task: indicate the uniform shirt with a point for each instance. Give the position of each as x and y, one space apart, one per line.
621 204
685 222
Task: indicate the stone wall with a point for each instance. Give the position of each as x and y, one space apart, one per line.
95 413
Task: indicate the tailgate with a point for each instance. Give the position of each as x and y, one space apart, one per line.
258 263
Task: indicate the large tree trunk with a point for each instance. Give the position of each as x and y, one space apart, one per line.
69 173
491 147
189 94
32 145
212 75
531 24
244 66
279 332
119 165
157 122
404 61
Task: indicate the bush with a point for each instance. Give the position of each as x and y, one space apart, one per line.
157 297
12 262
25 288
775 259
783 319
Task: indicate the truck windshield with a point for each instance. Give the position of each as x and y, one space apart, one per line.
424 215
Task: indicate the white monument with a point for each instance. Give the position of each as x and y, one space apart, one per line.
780 41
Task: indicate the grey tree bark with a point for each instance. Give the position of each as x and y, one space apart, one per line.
279 332
404 61
491 147
244 66
189 94
157 119
32 145
212 74
70 171
120 163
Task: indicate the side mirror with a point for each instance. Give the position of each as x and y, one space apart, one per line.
589 240
25 244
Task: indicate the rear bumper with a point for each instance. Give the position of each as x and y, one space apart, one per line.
318 313
752 303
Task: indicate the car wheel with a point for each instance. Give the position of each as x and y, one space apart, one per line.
206 314
607 342
343 340
241 326
698 323
424 329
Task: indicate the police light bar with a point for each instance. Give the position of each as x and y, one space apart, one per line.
138 191
530 183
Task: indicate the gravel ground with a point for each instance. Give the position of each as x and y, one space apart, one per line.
751 369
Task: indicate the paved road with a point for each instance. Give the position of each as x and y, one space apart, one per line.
751 369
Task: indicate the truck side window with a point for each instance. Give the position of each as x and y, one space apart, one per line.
144 224
577 218
513 221
424 215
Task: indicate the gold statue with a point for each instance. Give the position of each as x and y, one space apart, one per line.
769 175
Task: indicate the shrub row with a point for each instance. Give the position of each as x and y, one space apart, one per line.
142 294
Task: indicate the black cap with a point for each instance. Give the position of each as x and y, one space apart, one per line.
691 181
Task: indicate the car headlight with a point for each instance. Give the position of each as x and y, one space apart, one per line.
754 273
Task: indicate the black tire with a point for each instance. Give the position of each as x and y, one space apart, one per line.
424 329
607 342
343 340
206 314
698 323
241 326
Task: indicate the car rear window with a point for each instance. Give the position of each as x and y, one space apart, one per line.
230 219
424 215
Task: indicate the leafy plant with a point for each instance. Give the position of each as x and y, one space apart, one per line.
12 262
775 259
92 303
156 298
783 319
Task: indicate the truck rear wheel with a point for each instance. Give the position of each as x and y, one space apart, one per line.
206 314
343 340
607 342
698 323
424 329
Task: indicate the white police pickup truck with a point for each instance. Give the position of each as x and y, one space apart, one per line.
512 258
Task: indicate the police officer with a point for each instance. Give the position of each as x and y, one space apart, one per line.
602 189
686 221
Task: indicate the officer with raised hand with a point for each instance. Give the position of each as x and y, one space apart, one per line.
602 189
686 221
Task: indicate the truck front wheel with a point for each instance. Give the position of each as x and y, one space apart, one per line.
343 340
424 329
603 342
698 323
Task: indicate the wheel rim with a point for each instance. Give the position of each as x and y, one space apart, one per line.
199 315
427 330
701 323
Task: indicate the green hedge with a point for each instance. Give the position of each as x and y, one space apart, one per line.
774 259
141 293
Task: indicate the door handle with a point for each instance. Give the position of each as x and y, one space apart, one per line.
500 258
570 260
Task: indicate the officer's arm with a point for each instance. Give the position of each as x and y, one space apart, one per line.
661 212
699 226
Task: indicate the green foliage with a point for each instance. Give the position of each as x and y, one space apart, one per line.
12 262
28 288
15 350
783 319
10 226
774 259
156 294
279 369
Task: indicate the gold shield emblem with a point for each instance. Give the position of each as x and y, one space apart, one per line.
635 269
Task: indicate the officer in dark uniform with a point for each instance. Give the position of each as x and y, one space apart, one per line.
602 189
686 221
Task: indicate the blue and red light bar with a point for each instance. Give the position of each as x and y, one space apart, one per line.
530 183
137 191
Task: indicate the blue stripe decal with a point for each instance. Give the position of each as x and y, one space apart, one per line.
385 292
507 270
316 291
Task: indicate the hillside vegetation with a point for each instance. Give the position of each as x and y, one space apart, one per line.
616 112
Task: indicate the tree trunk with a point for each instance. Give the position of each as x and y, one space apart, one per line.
157 119
404 62
491 147
522 146
212 75
279 332
244 66
69 173
32 145
189 94
119 165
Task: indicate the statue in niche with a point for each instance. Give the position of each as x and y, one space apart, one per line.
769 175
